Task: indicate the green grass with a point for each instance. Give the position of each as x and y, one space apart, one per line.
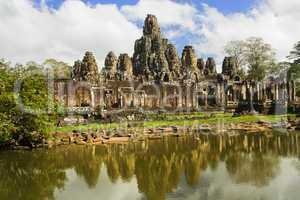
180 116
178 120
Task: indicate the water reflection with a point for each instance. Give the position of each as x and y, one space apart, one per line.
157 167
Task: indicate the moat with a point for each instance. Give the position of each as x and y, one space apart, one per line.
206 166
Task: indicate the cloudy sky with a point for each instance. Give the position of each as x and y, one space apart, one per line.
65 29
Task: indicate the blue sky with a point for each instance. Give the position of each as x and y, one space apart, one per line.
77 27
225 6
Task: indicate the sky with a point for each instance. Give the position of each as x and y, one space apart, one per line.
34 30
226 6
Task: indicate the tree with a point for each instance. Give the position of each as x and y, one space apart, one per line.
19 125
60 69
253 54
260 58
294 69
295 54
236 49
6 80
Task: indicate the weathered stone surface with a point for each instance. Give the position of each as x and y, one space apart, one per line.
229 67
211 66
151 27
78 73
173 61
110 68
189 63
90 62
189 59
124 67
151 52
163 81
142 49
87 69
200 65
160 67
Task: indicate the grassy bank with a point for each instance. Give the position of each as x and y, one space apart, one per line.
177 120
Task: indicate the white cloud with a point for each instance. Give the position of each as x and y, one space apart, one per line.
169 13
170 34
276 21
28 33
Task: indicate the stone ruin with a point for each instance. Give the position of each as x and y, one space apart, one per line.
155 77
124 67
86 69
110 69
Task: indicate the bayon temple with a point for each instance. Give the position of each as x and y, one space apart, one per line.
155 77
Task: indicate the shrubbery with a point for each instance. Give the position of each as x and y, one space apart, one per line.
23 114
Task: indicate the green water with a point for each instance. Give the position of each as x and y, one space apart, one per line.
210 168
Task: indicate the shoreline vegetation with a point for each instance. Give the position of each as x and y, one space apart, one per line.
30 116
167 125
33 122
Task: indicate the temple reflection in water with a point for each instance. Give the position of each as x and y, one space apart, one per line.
158 167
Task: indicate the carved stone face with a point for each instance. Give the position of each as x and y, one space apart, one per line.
229 67
189 59
111 61
151 26
86 69
172 58
200 65
211 65
125 65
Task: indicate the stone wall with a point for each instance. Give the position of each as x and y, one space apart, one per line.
156 78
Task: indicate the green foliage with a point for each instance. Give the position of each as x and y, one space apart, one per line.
236 50
60 69
260 58
179 120
255 55
241 73
23 113
295 54
289 70
6 128
293 70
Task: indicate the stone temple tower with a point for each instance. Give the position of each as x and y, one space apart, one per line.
189 64
154 58
151 27
124 67
110 68
85 70
229 67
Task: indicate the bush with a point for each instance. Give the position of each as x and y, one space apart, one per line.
24 128
6 129
19 126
